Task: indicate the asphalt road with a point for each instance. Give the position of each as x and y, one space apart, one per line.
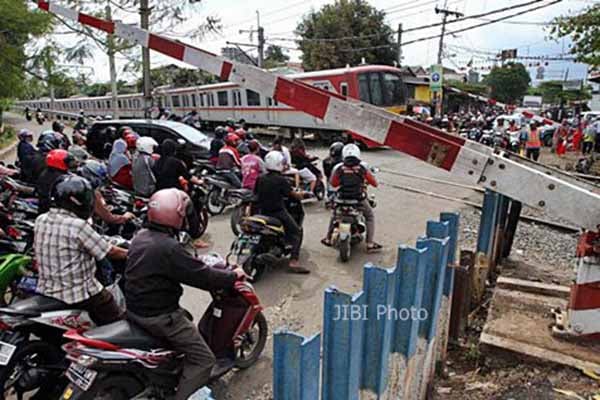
296 301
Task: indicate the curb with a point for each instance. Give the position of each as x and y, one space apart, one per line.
9 149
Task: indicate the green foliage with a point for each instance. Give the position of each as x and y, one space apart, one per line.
7 137
508 83
14 35
552 93
345 18
584 30
274 57
474 88
171 75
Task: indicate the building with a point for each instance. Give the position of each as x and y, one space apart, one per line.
235 54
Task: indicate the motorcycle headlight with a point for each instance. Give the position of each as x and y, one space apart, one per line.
86 361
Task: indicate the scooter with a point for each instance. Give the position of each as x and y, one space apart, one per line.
349 226
221 194
121 361
28 116
39 117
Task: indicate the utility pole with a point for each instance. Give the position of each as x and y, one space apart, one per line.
439 99
110 42
261 42
145 23
399 45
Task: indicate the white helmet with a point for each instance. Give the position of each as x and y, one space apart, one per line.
146 144
351 150
275 161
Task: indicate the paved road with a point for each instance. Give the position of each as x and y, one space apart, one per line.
296 301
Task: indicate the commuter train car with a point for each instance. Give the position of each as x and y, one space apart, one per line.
379 85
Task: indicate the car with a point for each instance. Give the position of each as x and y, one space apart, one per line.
546 134
196 144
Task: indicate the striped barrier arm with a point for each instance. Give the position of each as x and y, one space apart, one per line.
465 159
296 366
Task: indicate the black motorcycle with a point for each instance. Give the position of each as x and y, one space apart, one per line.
261 243
222 193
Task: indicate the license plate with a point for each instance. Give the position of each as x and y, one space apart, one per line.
81 376
6 352
245 240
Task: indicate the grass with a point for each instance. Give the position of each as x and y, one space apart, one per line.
7 137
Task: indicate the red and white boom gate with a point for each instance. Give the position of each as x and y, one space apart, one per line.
538 186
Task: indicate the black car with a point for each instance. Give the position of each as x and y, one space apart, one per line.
195 143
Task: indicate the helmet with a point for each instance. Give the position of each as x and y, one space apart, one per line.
123 131
241 133
169 207
230 122
253 145
75 194
24 134
146 145
131 140
351 151
232 139
220 132
335 150
78 153
48 141
95 172
58 127
275 161
60 159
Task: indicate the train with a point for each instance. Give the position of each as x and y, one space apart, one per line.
379 85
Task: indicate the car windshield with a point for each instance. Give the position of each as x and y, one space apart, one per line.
187 132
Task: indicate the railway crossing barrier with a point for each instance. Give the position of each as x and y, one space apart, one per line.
382 342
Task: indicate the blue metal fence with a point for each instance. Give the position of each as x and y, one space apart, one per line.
396 310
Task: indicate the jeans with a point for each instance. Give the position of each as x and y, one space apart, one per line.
102 308
183 336
588 147
534 154
293 233
232 178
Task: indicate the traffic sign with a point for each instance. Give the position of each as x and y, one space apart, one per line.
436 80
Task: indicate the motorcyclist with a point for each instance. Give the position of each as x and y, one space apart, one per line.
26 154
59 130
96 173
335 157
351 178
230 125
81 124
272 189
304 163
144 181
252 166
191 118
217 143
229 160
119 165
156 268
67 248
58 163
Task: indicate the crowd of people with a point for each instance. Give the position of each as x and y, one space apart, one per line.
69 252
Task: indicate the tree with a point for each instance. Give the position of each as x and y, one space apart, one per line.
552 93
17 26
509 83
274 57
344 33
171 75
584 30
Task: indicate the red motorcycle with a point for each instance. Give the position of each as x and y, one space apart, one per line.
120 360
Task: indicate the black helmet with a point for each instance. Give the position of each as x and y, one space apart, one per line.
73 193
58 127
335 150
48 141
220 132
95 172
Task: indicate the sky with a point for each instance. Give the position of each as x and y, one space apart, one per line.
280 18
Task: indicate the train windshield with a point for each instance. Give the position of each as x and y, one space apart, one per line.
382 89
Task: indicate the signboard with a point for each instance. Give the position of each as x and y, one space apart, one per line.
572 85
508 54
436 80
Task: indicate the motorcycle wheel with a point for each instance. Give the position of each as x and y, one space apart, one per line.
345 249
254 340
253 269
213 202
16 378
236 219
320 190
203 223
114 387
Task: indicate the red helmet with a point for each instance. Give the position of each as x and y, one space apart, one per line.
60 159
169 207
131 140
232 139
241 132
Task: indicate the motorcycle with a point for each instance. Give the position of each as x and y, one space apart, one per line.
28 116
245 208
40 118
261 242
222 194
349 226
120 360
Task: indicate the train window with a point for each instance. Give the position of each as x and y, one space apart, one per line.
186 100
253 98
211 99
222 98
120 103
98 106
344 89
175 101
237 98
272 101
80 107
194 104
393 90
375 89
201 98
363 88
108 104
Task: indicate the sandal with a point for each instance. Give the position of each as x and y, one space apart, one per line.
374 248
326 242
